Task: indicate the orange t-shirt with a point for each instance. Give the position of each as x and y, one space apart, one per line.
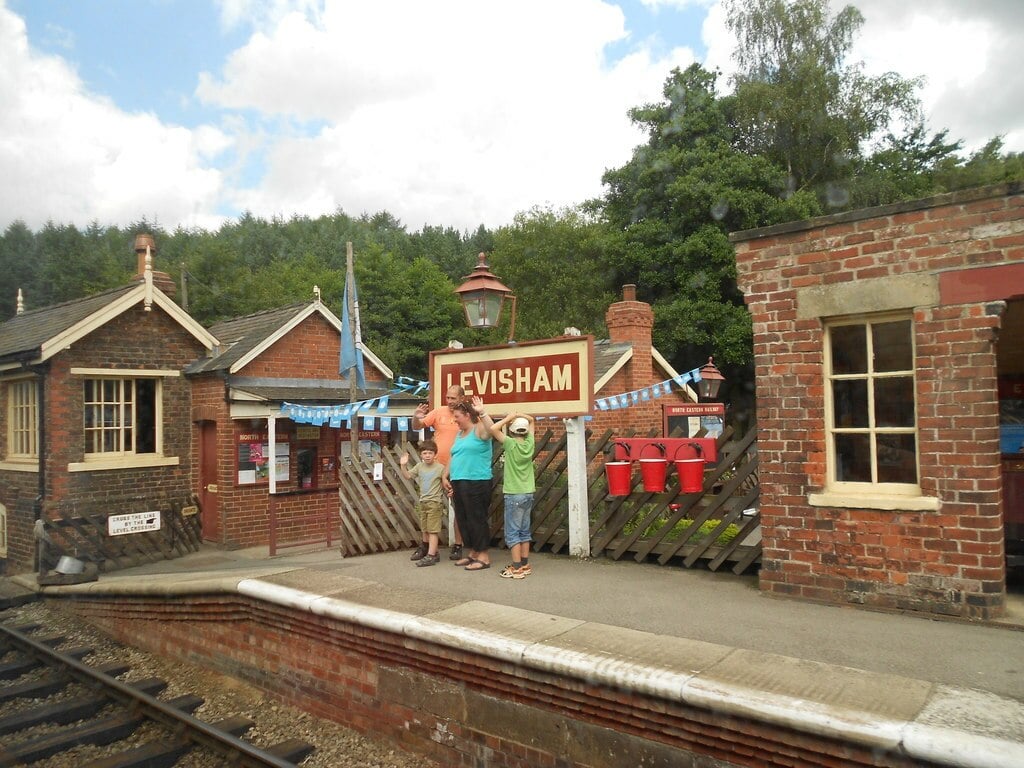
445 429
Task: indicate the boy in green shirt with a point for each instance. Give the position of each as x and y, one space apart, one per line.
430 505
519 486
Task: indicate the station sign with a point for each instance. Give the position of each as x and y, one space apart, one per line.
544 378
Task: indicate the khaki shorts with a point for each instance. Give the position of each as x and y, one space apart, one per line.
430 514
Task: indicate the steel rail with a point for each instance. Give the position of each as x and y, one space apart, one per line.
235 750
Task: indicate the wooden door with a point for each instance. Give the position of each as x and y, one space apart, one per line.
208 488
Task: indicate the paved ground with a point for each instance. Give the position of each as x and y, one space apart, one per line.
946 692
718 608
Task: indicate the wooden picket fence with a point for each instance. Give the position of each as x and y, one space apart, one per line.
719 526
81 531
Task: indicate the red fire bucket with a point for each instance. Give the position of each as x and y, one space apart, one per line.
619 476
653 473
691 475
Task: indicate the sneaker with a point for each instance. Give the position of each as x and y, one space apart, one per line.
508 572
428 560
421 550
456 552
522 571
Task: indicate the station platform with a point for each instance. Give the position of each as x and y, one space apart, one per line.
945 692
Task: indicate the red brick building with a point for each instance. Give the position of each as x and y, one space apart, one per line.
263 361
888 345
628 362
94 409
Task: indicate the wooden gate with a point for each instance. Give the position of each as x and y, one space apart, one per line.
718 526
81 531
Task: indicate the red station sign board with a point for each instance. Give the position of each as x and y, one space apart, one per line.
547 377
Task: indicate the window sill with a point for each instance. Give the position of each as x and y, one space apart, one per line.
874 501
123 462
20 466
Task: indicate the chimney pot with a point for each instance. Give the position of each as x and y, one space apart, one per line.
629 292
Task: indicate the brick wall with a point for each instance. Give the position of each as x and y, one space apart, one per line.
948 560
455 707
631 321
134 340
310 351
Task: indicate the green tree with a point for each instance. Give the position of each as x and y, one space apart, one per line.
799 103
670 209
19 264
557 266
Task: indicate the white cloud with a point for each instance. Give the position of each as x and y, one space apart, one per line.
458 116
965 51
72 156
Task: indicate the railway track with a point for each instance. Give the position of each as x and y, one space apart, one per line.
52 702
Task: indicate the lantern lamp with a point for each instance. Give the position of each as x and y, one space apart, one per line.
710 380
483 297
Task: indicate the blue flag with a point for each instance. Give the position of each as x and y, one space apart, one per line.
351 343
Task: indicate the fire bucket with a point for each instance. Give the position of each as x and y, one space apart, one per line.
653 473
619 475
691 475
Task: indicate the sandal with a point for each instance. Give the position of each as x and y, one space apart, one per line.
464 562
456 552
477 565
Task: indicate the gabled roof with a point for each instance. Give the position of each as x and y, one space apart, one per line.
610 357
243 339
37 335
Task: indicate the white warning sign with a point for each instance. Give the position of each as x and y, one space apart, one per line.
137 522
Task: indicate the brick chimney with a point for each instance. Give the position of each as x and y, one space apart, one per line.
161 280
630 321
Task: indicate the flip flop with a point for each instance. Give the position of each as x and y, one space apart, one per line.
477 565
464 562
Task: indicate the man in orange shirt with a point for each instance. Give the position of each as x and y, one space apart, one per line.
445 429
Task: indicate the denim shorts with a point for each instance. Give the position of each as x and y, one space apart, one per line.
517 517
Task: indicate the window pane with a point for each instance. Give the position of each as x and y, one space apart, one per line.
145 413
892 346
897 459
853 458
850 403
894 402
849 349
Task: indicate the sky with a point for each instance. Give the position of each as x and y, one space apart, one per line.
451 113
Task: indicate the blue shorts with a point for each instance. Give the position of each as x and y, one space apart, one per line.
517 517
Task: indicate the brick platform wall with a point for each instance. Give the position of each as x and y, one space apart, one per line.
457 708
947 561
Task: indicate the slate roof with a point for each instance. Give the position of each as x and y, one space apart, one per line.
24 334
241 335
607 354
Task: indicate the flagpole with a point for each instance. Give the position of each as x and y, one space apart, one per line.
351 279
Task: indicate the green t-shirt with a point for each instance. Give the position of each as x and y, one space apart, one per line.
519 465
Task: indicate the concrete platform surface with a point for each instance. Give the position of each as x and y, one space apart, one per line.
954 690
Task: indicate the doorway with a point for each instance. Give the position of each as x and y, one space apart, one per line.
209 489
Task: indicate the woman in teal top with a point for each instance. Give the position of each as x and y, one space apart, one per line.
468 481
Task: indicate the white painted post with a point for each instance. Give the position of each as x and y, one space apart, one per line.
272 458
579 506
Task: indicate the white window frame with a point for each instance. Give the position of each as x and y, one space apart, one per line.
871 494
126 456
23 421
